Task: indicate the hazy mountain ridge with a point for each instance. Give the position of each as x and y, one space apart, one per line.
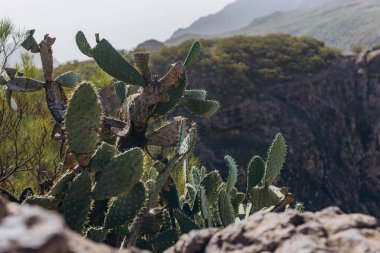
340 23
237 15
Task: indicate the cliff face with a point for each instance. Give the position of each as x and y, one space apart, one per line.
331 122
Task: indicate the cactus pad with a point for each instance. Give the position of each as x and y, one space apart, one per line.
69 79
256 171
107 57
226 210
82 44
264 197
125 207
120 175
83 122
197 94
175 91
275 160
200 107
103 155
193 55
232 173
211 184
77 201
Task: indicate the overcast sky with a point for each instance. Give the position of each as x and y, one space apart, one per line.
125 23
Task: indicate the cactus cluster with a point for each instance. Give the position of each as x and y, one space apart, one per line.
130 182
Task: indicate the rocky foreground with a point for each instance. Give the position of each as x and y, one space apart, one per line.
29 229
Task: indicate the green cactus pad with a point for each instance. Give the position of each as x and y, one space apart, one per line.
96 234
124 207
59 188
193 55
83 44
200 107
30 43
120 175
232 173
275 160
83 121
175 93
264 197
256 171
164 240
211 184
185 223
48 202
77 201
197 94
115 65
205 207
69 79
103 155
226 210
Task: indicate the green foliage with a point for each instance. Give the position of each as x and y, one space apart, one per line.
357 49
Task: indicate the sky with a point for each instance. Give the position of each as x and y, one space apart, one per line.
125 23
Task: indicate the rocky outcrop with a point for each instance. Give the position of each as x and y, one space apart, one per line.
31 229
331 122
327 231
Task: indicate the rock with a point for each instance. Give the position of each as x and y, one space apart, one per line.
31 229
327 231
331 123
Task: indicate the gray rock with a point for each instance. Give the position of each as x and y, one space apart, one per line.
327 231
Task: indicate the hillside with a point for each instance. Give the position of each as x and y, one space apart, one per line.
341 23
236 15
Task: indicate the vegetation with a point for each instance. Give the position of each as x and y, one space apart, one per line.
129 179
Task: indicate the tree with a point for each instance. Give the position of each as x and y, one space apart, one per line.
10 39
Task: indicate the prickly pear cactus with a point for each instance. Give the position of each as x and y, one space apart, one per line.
141 190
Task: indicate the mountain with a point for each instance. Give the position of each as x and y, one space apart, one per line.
341 23
237 15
